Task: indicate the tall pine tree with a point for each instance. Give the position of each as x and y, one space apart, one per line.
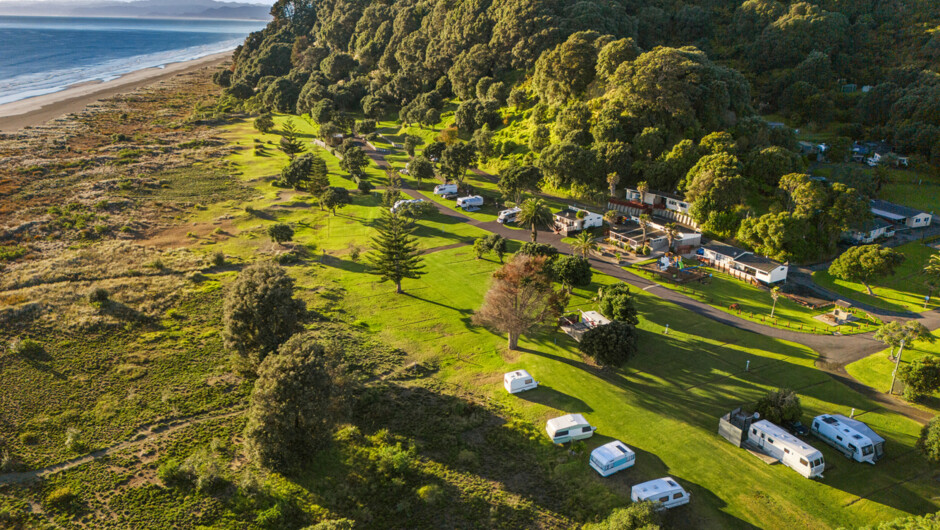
395 254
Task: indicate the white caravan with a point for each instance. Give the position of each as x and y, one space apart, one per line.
569 428
612 457
788 449
519 381
851 437
508 216
445 190
665 492
470 203
399 204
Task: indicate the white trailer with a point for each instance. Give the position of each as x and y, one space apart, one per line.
508 216
665 492
851 437
519 381
399 204
470 202
445 190
788 449
569 428
612 457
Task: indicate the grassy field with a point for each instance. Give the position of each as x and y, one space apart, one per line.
680 383
902 291
754 304
875 370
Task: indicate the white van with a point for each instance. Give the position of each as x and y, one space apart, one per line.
665 492
470 203
445 190
519 381
612 457
508 216
569 428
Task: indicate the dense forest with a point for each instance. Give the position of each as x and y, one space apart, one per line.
667 93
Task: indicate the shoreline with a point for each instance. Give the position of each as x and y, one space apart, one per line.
34 111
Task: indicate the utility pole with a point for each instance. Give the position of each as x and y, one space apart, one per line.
897 362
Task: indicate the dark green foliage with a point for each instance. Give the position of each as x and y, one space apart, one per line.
780 406
421 168
395 255
929 441
494 243
223 78
354 160
259 313
538 249
280 233
572 271
616 303
264 123
566 71
610 344
515 180
636 516
411 141
318 179
334 197
98 295
281 95
921 377
299 170
292 406
456 159
290 142
865 263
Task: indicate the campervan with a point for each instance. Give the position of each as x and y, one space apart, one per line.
519 381
445 190
470 203
851 437
665 492
399 204
612 457
788 449
569 428
508 216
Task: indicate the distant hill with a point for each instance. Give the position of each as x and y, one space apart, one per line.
144 8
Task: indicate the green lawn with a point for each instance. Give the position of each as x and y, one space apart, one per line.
913 189
665 403
755 304
902 291
875 370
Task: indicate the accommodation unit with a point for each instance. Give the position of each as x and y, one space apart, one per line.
445 190
508 216
743 264
569 428
399 204
869 231
593 319
851 437
519 381
572 219
612 457
909 217
631 235
788 449
666 492
660 200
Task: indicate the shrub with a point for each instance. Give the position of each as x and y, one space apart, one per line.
431 494
611 344
8 462
26 347
98 295
62 497
929 441
28 438
171 473
218 259
638 515
205 469
467 457
73 440
780 405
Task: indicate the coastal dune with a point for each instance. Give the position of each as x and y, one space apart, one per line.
38 110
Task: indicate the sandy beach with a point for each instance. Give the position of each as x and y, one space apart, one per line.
38 110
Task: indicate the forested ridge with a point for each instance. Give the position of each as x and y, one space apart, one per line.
666 93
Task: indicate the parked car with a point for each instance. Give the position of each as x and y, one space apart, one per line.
796 428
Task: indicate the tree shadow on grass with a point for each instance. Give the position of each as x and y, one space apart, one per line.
548 396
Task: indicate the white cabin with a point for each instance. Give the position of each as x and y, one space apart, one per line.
571 220
788 449
665 492
445 189
519 381
569 428
470 202
851 437
612 457
508 216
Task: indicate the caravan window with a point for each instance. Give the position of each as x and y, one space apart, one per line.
677 495
867 450
754 431
839 438
664 499
561 433
528 381
853 448
771 440
803 462
818 462
785 450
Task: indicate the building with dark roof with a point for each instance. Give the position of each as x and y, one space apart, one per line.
743 264
870 231
896 213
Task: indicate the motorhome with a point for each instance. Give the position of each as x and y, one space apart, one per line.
508 216
470 203
519 381
851 437
788 449
399 204
445 190
665 492
612 457
569 428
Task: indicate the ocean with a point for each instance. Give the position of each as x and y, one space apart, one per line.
42 55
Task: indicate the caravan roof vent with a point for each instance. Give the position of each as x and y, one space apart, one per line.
857 436
623 449
830 420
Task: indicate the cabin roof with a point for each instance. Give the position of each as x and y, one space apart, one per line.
611 451
758 262
724 249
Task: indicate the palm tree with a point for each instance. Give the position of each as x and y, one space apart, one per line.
774 293
535 213
583 244
645 221
612 180
643 188
672 231
932 270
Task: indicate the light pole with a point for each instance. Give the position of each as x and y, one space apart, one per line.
897 362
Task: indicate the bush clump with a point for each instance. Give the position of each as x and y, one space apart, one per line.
26 347
98 296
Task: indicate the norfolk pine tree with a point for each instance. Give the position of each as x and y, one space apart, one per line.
395 254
